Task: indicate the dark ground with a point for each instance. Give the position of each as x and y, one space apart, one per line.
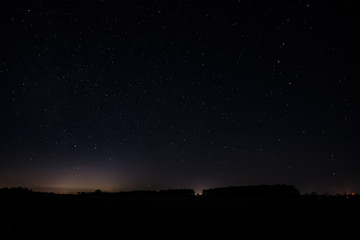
180 217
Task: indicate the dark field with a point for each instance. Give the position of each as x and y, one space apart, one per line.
180 217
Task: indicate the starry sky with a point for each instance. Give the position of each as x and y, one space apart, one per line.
129 95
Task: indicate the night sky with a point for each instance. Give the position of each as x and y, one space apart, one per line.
130 95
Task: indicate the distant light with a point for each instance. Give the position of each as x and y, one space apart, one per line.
198 192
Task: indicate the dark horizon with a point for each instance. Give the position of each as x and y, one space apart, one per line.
196 191
237 211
